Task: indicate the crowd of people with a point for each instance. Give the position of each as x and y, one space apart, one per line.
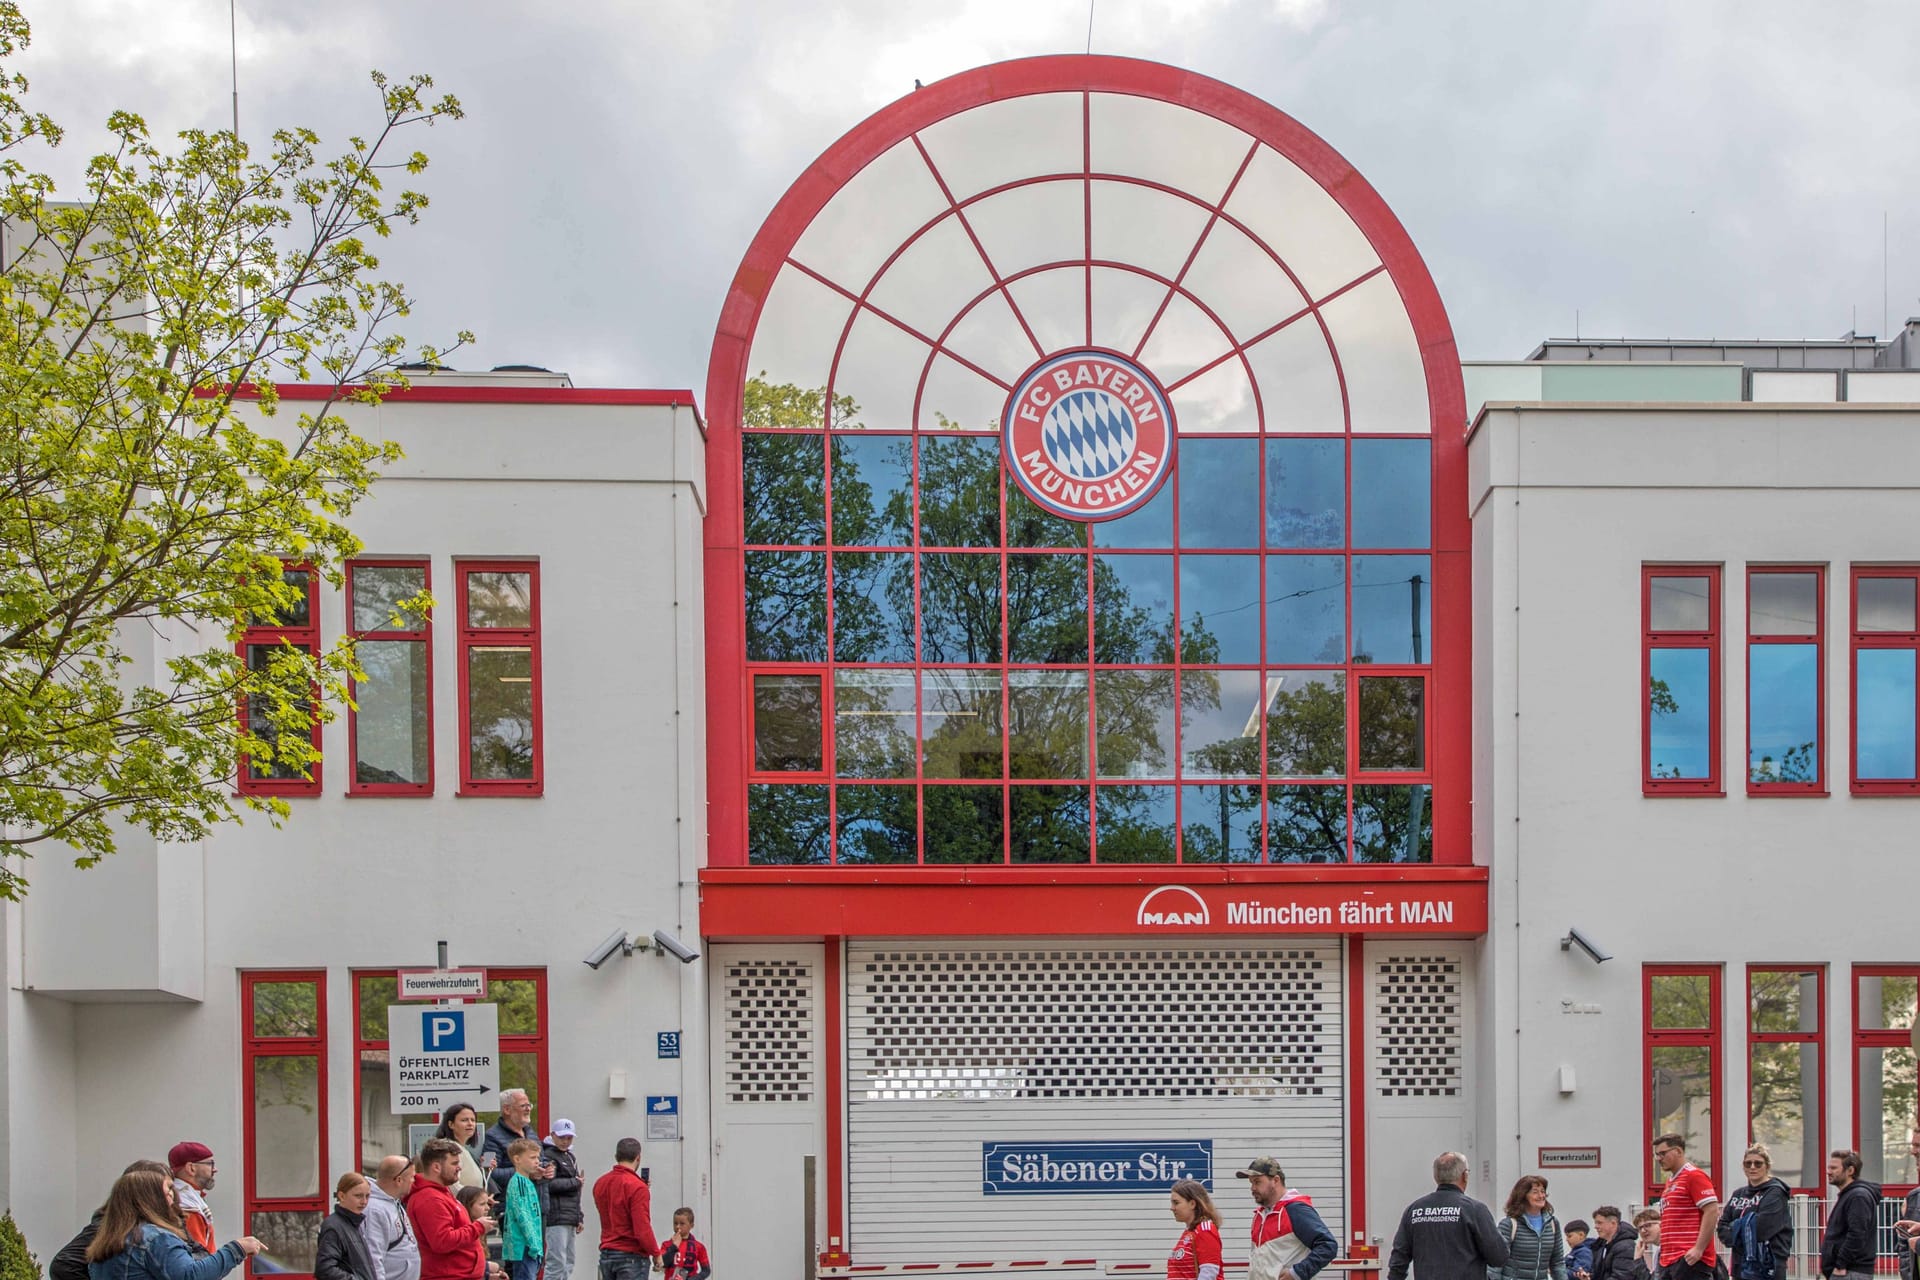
1691 1235
434 1216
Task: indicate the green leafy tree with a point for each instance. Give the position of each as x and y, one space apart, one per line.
142 495
16 1260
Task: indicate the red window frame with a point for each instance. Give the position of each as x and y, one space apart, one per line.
255 1047
1817 1037
535 1044
1865 1037
1817 786
1708 1037
1876 640
1708 640
301 637
472 638
824 773
422 634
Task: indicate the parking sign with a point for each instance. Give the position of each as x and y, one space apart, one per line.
443 1054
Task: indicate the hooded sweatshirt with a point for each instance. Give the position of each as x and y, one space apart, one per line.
1290 1234
1851 1227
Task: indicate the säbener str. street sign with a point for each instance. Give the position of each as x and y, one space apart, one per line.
442 1054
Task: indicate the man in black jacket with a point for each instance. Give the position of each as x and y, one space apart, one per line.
1447 1235
1612 1247
1849 1246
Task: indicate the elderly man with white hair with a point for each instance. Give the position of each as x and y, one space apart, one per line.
515 1122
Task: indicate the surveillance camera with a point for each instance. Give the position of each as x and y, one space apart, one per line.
664 942
1594 951
616 943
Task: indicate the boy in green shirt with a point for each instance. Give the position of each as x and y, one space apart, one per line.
522 1234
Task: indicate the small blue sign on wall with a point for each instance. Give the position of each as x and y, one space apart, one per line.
667 1044
1092 1168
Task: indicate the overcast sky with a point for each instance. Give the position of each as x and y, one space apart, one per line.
1705 168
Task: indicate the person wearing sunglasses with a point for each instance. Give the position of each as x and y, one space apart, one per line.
1757 1224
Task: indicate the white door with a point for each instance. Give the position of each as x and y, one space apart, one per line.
963 1057
1418 1100
768 1105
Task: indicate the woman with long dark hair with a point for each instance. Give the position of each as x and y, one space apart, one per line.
461 1123
1197 1254
1535 1248
140 1237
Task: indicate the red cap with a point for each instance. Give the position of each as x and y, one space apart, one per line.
186 1153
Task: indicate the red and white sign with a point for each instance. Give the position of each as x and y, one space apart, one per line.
996 902
1088 435
443 984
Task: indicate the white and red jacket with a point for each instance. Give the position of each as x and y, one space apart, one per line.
1289 1237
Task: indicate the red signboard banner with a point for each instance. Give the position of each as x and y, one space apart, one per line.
815 905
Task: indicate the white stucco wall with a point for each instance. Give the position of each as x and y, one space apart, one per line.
1568 502
609 499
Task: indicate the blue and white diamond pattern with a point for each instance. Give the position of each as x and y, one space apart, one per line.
1089 434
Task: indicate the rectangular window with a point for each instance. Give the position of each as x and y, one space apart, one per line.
1787 1072
1680 742
287 1176
1884 1110
498 603
390 726
1786 684
1681 1016
1886 692
265 642
790 723
521 997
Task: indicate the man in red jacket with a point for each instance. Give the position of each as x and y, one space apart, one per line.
452 1246
627 1243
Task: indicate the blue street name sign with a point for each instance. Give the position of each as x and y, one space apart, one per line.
1091 1168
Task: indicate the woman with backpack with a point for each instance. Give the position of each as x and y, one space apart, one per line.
1535 1248
1757 1223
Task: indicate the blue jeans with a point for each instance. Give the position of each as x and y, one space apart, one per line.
527 1268
615 1265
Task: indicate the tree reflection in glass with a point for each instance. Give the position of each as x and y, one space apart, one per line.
965 825
786 604
959 492
1133 724
873 719
1047 609
787 824
877 825
1220 823
1220 724
959 607
872 606
1393 824
1049 824
960 724
1306 724
1306 824
1047 724
1135 824
872 491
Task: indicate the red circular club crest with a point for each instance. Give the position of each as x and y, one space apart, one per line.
1088 434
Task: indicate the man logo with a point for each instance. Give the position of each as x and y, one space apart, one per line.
1088 435
1175 911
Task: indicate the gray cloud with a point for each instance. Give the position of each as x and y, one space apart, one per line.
1704 169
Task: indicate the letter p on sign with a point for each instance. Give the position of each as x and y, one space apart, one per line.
443 1031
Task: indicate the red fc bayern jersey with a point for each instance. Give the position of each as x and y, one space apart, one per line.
1683 1202
1199 1244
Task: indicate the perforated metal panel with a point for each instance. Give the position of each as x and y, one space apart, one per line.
769 1031
1238 1043
1417 1026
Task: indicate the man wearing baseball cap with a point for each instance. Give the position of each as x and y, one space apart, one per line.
1290 1242
193 1170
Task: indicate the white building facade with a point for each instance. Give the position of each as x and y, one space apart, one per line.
1037 858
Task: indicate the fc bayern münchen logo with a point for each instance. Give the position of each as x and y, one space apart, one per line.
1088 434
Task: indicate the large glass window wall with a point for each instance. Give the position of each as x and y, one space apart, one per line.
1239 672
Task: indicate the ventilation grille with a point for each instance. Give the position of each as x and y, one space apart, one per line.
1416 1027
769 1031
1095 1023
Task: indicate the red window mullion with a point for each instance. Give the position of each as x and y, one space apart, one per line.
306 636
255 1048
1709 1038
1653 640
1865 1037
422 635
1861 640
1817 1037
1756 638
474 638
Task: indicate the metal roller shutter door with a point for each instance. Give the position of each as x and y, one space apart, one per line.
952 1047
